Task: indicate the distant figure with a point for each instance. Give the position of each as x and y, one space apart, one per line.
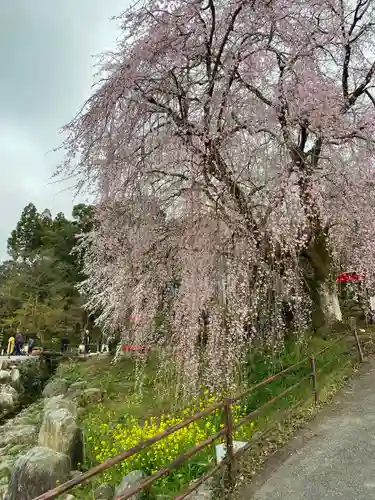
11 343
18 344
64 343
86 342
30 345
105 342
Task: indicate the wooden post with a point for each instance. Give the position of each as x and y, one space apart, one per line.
353 325
228 420
314 380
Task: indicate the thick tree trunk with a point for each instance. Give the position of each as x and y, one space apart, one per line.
320 281
329 303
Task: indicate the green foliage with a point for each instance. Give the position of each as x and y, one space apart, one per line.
38 285
32 379
25 240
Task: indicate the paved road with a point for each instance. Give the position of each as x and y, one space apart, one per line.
334 459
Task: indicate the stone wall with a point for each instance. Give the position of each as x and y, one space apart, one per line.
43 447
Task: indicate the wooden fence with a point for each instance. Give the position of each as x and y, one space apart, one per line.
226 432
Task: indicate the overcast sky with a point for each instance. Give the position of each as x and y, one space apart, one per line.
46 58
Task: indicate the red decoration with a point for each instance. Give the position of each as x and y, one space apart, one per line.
349 277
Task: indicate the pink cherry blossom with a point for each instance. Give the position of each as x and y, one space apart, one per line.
230 146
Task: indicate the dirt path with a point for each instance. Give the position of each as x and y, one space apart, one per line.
333 458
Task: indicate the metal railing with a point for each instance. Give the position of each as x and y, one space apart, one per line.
226 432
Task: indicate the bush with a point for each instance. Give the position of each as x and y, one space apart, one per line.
32 378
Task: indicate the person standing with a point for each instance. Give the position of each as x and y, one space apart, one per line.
86 342
11 343
30 345
1 342
104 346
17 344
64 343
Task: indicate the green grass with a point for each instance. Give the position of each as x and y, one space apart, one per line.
118 382
121 398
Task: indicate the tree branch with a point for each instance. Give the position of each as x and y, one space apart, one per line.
253 90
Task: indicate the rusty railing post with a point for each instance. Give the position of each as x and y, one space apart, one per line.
353 325
228 420
314 380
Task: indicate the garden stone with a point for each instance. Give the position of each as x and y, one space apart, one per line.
60 432
75 473
36 472
16 449
8 389
56 387
104 492
18 434
92 395
4 377
76 388
15 379
6 467
59 402
9 399
7 403
133 478
3 492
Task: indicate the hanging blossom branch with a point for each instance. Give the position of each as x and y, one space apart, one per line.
225 141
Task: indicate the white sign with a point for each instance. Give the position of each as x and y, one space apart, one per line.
221 449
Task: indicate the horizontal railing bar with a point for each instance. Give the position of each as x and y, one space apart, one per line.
349 362
259 410
321 368
319 353
258 438
268 380
172 465
49 495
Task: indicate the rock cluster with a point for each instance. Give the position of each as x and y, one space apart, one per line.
43 446
52 447
10 388
56 448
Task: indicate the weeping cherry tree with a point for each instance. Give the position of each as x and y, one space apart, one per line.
230 147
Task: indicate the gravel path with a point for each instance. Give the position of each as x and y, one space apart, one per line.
334 457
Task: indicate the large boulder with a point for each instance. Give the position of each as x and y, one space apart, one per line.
17 434
60 432
90 396
104 491
133 478
15 379
4 377
9 399
76 388
7 403
59 402
3 492
8 389
36 472
56 387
